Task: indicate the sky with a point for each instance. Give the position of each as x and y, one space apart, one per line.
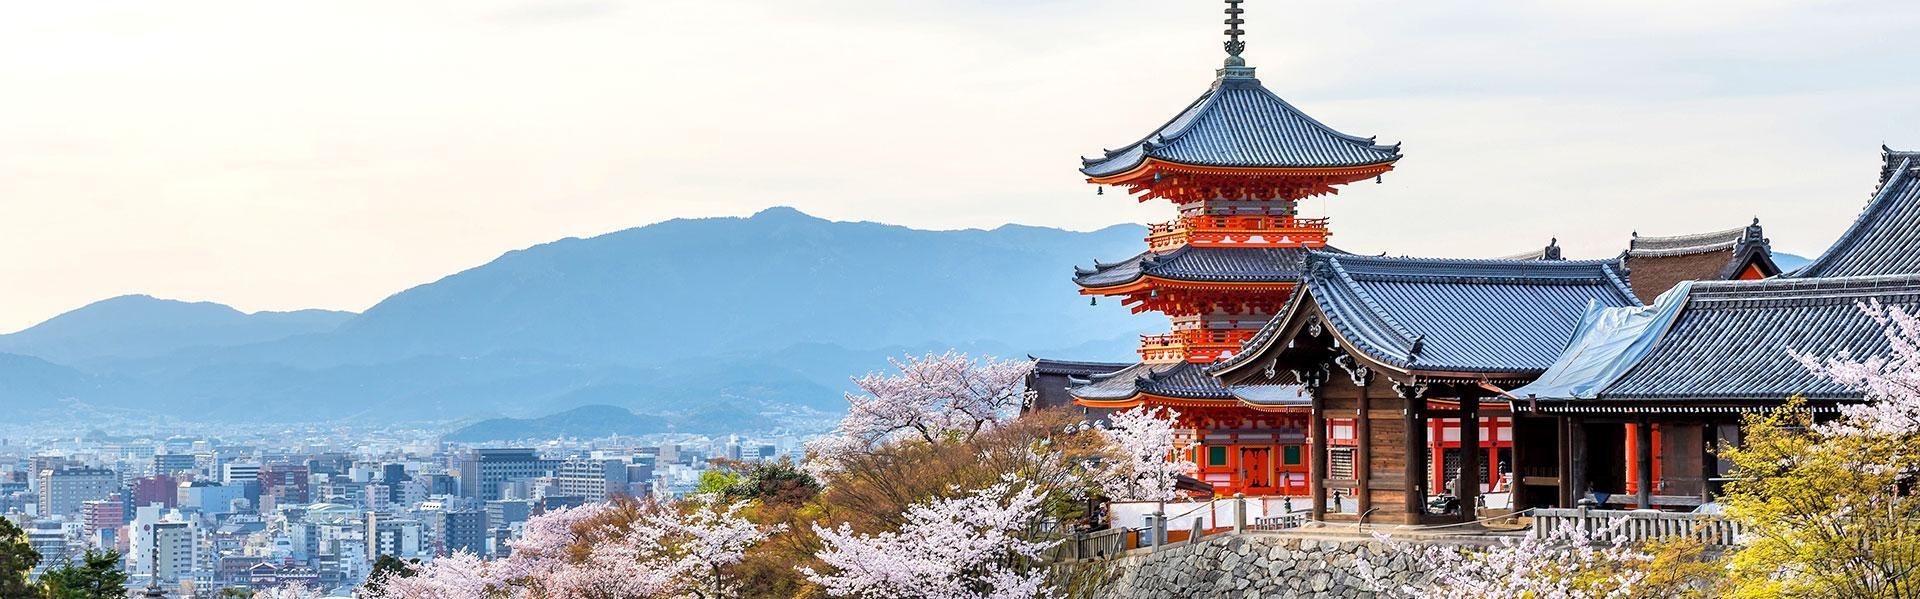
287 155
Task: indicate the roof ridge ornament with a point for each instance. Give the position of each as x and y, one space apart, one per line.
1236 66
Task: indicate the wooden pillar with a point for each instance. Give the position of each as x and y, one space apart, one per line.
1414 411
1470 456
1317 452
1643 460
1363 433
1516 488
1709 462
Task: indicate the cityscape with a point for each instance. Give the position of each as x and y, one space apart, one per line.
198 514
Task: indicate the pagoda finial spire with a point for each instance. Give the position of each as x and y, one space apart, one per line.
1236 65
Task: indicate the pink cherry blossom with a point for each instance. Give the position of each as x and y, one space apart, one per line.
968 547
1149 455
934 398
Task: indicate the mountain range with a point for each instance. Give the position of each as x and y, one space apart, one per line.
691 323
697 325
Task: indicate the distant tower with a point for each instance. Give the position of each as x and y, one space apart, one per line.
1234 164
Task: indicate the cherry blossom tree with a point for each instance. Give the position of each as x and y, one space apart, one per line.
1148 455
1891 383
968 547
934 398
294 591
1566 563
596 552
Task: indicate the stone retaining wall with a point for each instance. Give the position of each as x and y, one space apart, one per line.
1243 566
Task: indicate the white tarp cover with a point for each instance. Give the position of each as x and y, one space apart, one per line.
1609 342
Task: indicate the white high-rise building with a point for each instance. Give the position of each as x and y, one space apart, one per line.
169 533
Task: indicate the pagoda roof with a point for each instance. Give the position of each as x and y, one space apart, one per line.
1074 368
1238 123
1882 240
1725 340
1200 264
1179 380
1273 395
1445 316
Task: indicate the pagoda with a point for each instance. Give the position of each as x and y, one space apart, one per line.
1235 165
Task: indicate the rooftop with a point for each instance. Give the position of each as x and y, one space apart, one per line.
1238 123
1451 316
1882 240
1180 380
1730 340
1203 264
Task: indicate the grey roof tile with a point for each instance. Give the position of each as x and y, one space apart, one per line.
1239 123
1207 264
1478 316
1731 340
1184 380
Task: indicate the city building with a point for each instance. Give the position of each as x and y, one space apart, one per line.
592 479
210 497
484 473
286 484
157 489
399 538
461 530
63 490
174 464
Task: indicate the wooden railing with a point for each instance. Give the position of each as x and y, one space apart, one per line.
1643 525
1105 543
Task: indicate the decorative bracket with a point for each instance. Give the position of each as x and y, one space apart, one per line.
1361 375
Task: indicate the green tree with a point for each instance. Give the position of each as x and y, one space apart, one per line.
17 560
387 567
96 576
1832 514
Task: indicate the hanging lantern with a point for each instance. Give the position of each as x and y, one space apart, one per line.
1093 301
1099 191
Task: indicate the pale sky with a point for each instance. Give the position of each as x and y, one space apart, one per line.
284 155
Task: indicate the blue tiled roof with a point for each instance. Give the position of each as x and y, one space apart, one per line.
1885 239
1239 123
1731 339
1184 380
1467 316
1207 264
1273 395
1074 368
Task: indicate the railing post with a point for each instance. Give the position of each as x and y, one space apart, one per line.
1239 513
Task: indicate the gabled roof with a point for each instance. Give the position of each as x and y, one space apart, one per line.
1656 264
1239 123
1181 380
1696 243
1885 239
1201 264
1730 341
1447 316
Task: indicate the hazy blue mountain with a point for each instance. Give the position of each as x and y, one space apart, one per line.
697 320
595 421
1789 262
699 287
140 326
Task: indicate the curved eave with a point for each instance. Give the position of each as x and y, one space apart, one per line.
1149 165
1140 399
1147 283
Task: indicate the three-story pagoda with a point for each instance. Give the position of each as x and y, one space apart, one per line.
1235 164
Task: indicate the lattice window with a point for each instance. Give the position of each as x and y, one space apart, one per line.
1340 463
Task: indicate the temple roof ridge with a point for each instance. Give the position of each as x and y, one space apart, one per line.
1446 314
1882 238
